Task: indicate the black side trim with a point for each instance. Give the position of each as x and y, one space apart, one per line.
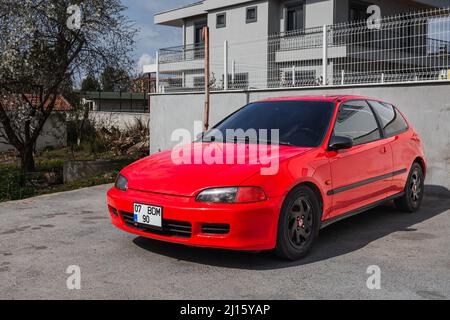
355 212
365 182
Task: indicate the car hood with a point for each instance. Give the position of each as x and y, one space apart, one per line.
160 174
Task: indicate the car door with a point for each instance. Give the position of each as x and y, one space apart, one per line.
361 175
395 129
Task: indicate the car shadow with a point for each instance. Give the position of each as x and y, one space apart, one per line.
338 239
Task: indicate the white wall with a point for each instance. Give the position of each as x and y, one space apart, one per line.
427 106
119 120
251 57
54 134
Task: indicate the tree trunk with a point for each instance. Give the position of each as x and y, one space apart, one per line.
27 159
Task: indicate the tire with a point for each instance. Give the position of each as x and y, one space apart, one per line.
299 224
412 199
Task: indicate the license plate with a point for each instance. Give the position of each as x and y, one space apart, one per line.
148 215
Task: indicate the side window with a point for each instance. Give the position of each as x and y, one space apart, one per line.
221 20
391 120
251 14
356 120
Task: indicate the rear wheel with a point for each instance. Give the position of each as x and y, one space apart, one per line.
412 199
299 223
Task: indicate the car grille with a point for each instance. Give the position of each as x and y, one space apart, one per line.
172 228
212 228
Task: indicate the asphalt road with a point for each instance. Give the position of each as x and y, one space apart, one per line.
41 237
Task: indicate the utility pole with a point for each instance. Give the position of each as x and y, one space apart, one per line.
206 112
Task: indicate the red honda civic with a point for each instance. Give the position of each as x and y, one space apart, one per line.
327 158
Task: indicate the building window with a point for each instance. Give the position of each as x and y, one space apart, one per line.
358 11
221 20
294 18
252 14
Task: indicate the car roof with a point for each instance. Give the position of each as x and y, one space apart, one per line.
327 98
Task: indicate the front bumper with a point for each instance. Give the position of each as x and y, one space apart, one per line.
251 226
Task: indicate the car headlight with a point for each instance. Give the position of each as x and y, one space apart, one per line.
232 195
121 183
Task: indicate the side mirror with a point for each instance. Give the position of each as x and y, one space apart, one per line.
340 143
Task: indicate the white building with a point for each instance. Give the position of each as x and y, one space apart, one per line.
278 43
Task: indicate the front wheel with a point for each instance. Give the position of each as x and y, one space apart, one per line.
412 199
299 224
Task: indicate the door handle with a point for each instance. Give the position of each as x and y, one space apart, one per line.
383 150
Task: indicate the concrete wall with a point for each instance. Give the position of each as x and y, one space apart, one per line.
54 134
119 120
427 106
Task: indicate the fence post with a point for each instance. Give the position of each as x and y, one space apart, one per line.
293 76
207 89
225 65
325 56
233 72
157 71
342 77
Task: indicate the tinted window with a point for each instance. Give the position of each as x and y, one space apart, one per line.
356 120
391 120
300 123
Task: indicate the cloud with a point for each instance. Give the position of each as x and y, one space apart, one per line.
152 37
145 59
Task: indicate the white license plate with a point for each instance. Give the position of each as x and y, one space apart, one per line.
148 215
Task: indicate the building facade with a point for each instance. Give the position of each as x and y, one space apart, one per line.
279 43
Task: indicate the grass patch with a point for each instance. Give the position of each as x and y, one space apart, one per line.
80 184
48 178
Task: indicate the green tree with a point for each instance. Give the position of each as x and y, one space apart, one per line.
90 83
115 79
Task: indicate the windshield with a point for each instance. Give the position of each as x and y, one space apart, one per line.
300 123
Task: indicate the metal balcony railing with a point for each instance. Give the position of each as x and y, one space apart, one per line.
182 53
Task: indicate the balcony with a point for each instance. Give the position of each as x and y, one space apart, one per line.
182 58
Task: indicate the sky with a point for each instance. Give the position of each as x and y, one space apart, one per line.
152 37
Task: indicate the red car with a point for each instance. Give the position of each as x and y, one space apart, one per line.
337 156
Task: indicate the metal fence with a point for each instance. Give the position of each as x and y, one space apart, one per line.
412 47
127 102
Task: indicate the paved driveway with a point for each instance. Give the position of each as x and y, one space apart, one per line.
41 237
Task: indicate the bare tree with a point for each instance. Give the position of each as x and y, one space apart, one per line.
46 45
